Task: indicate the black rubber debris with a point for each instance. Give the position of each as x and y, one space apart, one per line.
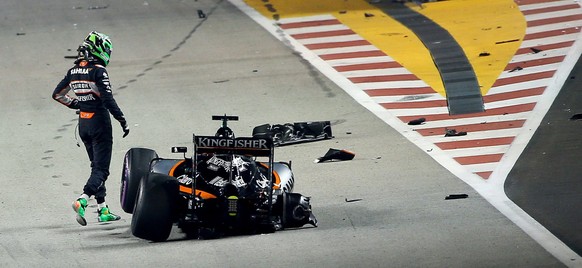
576 117
201 14
484 54
353 200
456 196
417 121
535 50
453 133
516 69
97 7
506 41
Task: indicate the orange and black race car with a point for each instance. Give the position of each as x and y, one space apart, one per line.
228 186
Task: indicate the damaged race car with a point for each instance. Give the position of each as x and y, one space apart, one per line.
230 185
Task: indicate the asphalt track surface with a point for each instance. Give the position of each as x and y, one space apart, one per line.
171 71
545 181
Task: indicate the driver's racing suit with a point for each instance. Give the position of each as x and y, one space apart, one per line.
90 82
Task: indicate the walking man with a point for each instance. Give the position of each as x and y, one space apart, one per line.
90 82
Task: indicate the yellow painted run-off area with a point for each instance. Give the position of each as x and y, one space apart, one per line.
489 31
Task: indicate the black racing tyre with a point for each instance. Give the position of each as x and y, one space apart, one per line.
295 214
154 213
136 164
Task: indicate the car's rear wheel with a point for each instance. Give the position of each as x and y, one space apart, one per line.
154 207
136 164
296 210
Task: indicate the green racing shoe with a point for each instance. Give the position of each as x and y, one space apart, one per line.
79 206
105 215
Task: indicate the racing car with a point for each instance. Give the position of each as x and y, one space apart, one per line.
229 185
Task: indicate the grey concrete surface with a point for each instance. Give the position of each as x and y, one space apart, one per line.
171 71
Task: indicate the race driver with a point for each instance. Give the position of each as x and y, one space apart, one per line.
93 98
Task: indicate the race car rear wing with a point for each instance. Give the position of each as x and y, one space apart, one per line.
243 145
260 147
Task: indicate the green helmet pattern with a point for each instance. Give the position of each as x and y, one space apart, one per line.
99 45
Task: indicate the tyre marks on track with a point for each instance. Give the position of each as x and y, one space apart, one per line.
176 48
552 29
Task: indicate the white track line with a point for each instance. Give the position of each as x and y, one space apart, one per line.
316 29
544 5
552 27
341 38
337 50
345 62
375 72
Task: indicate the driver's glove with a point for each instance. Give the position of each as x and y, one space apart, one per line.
124 126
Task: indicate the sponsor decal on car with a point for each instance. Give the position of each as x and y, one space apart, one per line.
232 143
263 182
185 180
239 182
218 181
239 164
215 163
